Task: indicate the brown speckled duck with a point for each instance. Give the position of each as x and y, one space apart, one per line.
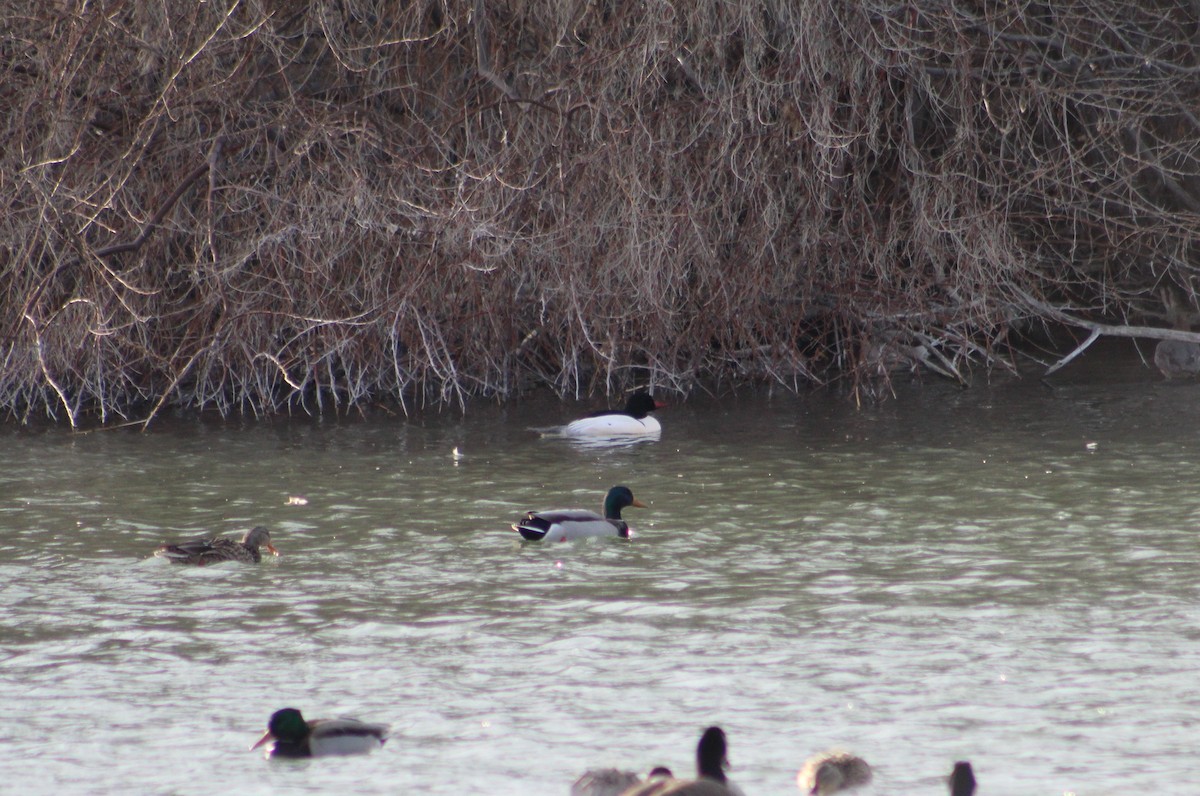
833 772
605 782
214 549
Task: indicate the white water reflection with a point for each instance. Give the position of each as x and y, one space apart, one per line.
1005 575
554 435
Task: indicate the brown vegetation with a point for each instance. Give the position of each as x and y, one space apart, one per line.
269 205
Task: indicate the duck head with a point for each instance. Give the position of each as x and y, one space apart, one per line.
620 497
711 754
286 726
641 404
962 779
259 537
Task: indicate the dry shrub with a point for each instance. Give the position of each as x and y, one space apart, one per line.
273 206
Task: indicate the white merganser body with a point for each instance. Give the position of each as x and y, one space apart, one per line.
632 421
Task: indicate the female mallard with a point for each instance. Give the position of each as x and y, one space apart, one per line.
632 421
832 772
710 773
219 548
1177 358
613 781
295 737
604 782
563 525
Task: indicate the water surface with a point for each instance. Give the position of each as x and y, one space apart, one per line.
1005 574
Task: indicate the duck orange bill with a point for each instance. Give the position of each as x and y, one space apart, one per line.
267 736
271 547
639 504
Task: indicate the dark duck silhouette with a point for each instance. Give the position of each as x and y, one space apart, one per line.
710 778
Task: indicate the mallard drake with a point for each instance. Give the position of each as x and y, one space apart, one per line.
562 525
710 773
832 772
295 737
962 779
632 421
219 548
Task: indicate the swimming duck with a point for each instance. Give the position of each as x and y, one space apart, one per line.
632 421
710 773
295 737
832 772
962 779
613 781
561 525
604 782
219 548
1177 358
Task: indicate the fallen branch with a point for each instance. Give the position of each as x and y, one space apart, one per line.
1098 329
1093 337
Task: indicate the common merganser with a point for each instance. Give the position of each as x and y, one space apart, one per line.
633 420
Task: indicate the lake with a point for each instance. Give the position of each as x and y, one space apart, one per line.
1006 574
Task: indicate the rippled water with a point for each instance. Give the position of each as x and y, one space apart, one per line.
1005 574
